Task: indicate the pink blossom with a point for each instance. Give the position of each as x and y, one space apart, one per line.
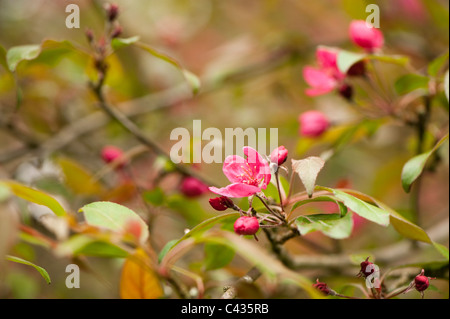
313 123
247 176
366 37
192 187
327 77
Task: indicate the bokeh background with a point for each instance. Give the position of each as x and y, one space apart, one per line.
249 56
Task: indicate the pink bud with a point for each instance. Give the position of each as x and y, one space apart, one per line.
366 37
246 225
221 203
192 187
112 153
313 123
279 155
117 31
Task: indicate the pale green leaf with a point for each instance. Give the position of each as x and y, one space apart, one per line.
41 270
114 217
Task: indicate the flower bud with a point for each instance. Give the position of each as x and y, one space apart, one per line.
111 153
192 187
313 123
421 282
346 91
365 269
221 203
246 225
116 32
366 37
322 287
357 69
89 35
112 11
279 155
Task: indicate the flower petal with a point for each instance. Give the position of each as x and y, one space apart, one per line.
259 165
319 79
233 168
236 190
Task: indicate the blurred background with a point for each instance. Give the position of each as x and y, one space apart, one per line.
249 56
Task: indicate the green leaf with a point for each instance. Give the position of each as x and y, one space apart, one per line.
78 178
41 270
437 64
52 49
362 208
88 246
206 225
347 59
189 208
36 196
118 43
217 256
414 167
331 225
166 249
400 223
411 82
15 55
308 169
154 196
114 217
342 207
190 78
442 250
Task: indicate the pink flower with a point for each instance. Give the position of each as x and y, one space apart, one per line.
327 77
192 187
279 155
313 123
366 37
248 176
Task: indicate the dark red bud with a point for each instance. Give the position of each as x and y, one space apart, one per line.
117 31
89 35
357 69
422 282
221 203
112 11
346 91
322 287
365 269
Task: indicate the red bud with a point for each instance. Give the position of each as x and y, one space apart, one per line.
246 225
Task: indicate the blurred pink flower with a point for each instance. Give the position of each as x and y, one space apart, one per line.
366 37
248 176
327 77
415 9
192 187
313 123
111 153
